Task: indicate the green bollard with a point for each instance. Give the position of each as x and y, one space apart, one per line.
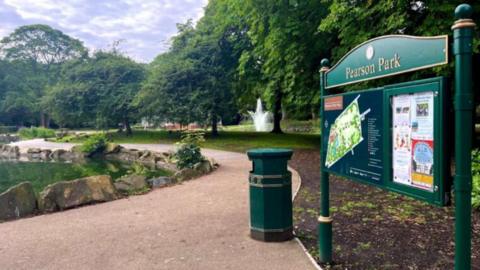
270 195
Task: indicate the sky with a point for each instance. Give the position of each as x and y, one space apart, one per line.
144 26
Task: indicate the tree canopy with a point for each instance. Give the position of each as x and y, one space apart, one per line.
214 70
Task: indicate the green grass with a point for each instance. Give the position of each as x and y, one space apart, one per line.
236 141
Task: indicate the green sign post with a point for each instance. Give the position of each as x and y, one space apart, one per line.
393 136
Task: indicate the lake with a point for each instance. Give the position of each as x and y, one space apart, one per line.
42 174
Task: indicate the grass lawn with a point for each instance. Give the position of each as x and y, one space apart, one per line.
236 141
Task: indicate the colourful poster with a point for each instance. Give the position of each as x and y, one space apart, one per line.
402 139
422 164
422 116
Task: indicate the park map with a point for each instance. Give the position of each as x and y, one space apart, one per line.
345 134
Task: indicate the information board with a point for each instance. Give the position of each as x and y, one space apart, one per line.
391 137
354 124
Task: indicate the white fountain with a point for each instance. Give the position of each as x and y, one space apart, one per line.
262 120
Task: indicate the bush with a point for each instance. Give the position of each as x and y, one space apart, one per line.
36 132
8 129
94 144
476 179
189 153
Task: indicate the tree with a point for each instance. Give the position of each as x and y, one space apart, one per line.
101 88
45 49
286 51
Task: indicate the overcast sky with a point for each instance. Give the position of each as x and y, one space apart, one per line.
146 25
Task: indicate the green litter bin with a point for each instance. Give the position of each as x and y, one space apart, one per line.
270 195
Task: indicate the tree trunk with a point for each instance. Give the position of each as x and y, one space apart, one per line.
277 112
214 125
43 122
126 125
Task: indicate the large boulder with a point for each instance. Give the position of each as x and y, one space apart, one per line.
69 194
17 202
131 183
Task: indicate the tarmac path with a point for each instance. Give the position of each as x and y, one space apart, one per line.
200 224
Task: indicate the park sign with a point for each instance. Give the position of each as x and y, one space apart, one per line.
394 136
386 56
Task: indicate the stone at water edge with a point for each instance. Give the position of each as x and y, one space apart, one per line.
159 182
18 201
130 183
69 194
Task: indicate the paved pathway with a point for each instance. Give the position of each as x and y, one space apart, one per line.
200 224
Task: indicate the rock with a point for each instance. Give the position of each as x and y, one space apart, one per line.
69 194
203 167
112 148
167 166
65 155
9 151
147 157
186 174
131 183
159 182
213 163
34 150
18 201
36 153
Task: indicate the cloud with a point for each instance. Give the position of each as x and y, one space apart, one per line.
145 25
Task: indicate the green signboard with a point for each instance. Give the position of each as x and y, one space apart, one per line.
415 155
391 137
387 56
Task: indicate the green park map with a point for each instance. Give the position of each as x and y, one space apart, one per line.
345 134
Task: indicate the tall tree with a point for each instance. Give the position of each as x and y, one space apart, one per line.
101 87
45 49
287 49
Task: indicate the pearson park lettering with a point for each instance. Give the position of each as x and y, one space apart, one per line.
382 64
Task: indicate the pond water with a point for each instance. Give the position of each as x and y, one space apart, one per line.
42 174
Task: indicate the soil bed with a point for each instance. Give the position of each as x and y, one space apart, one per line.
375 229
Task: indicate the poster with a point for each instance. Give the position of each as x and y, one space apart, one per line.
401 139
412 140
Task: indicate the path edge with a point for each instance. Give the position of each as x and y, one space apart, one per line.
299 242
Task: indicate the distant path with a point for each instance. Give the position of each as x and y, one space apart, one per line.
200 224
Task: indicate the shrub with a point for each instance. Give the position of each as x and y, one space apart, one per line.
94 144
476 179
36 132
8 129
189 153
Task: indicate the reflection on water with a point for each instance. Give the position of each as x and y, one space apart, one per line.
41 174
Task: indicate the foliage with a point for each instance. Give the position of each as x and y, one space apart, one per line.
476 179
94 144
189 153
99 90
8 129
237 141
35 54
36 132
